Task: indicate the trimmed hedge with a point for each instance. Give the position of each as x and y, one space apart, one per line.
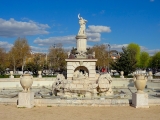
4 76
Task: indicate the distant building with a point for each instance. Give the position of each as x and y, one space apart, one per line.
114 54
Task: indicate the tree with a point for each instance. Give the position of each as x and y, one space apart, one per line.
35 63
156 60
57 56
136 48
126 62
101 54
19 52
3 61
150 64
144 60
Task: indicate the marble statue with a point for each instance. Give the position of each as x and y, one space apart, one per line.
69 54
104 82
78 75
58 84
82 23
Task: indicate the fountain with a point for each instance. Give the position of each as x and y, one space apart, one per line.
81 75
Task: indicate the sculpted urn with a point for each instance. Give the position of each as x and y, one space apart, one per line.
122 74
11 74
40 74
140 82
26 82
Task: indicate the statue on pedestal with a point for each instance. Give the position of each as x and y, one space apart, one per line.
82 23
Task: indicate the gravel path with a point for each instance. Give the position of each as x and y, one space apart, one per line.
11 112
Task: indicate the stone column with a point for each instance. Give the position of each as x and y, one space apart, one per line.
81 43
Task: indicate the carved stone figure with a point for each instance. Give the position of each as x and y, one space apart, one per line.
58 84
104 83
69 54
75 74
81 54
79 75
82 23
93 54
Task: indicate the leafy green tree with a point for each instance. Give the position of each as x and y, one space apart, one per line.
126 62
136 48
144 60
150 63
156 60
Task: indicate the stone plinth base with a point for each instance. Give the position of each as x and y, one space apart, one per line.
121 76
39 76
140 100
150 77
26 99
11 76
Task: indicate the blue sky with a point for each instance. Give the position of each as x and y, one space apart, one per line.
47 22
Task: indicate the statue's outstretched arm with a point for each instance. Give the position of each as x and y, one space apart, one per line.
79 16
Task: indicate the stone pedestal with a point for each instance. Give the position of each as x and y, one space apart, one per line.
121 76
150 77
81 43
11 76
140 100
26 99
86 64
39 76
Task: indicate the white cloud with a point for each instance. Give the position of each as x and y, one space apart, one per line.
151 0
93 34
53 40
98 29
115 46
11 27
119 48
93 37
151 52
7 46
38 49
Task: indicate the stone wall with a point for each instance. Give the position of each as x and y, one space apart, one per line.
72 64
